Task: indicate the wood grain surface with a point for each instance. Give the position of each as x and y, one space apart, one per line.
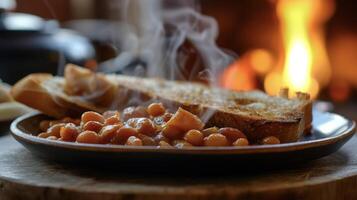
24 176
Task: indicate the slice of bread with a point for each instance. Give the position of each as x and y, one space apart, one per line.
255 113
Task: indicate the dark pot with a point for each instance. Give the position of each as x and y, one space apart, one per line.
30 44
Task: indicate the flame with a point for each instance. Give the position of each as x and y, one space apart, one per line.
305 64
294 16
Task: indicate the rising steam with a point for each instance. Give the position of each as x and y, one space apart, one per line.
156 34
164 39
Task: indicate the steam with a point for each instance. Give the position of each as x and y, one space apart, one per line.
156 34
163 39
202 31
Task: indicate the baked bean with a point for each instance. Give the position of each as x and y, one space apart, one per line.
52 138
216 139
134 112
146 126
44 125
69 132
147 141
270 140
90 137
167 116
181 144
143 125
111 113
241 142
194 137
44 135
163 144
134 141
208 131
55 130
92 126
156 109
132 122
172 132
108 132
231 134
185 121
123 133
112 120
92 116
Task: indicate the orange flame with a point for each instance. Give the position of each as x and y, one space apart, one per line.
306 66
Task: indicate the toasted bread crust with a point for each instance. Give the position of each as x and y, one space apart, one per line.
256 130
254 113
31 92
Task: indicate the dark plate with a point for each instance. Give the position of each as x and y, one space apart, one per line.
330 132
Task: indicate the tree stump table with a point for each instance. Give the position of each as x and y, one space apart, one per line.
24 176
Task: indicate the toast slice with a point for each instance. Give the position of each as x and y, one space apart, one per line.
255 113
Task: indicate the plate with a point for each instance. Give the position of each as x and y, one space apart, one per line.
330 132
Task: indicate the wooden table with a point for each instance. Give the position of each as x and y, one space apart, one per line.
23 176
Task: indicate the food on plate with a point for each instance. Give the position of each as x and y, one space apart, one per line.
141 129
253 113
